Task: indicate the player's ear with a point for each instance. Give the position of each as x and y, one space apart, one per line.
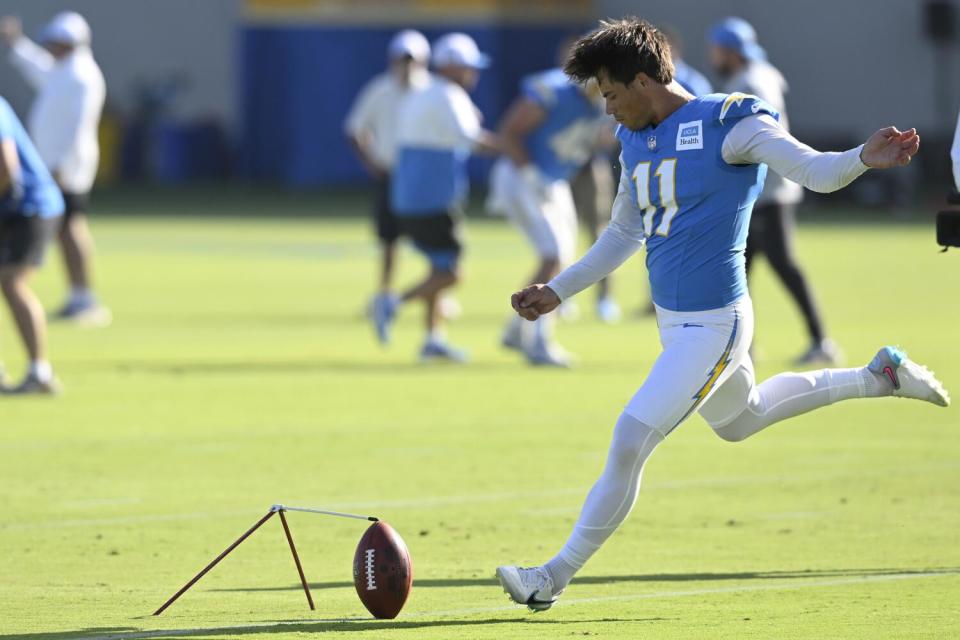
641 80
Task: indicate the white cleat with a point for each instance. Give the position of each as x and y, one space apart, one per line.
442 352
909 379
548 355
531 587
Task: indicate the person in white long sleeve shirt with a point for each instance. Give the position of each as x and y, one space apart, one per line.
63 123
739 59
692 169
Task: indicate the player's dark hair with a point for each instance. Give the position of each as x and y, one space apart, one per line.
621 49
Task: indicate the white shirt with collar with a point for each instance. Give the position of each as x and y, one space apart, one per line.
374 113
65 115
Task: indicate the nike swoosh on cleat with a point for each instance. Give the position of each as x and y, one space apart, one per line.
893 377
690 324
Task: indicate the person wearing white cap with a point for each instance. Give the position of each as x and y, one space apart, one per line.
740 60
63 123
437 129
371 127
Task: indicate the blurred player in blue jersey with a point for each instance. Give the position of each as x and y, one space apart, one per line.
437 129
686 76
548 134
692 169
371 127
30 210
742 63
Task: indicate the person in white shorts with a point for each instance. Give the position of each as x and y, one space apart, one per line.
549 134
692 170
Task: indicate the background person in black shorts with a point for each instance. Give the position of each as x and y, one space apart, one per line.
741 61
30 209
371 127
63 124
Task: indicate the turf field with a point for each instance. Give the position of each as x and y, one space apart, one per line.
239 372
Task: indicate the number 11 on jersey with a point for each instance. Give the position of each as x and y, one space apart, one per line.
667 173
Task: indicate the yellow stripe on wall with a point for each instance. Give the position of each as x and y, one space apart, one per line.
416 11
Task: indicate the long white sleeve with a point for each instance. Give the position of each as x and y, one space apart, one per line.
33 61
621 239
760 139
955 156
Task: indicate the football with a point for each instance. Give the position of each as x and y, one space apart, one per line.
382 571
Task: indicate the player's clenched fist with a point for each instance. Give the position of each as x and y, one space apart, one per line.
890 147
534 301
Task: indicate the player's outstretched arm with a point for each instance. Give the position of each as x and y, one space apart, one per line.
889 148
761 139
534 301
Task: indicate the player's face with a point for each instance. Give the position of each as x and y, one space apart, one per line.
629 104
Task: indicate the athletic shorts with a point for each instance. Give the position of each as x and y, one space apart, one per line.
388 228
436 236
544 213
75 203
24 239
704 366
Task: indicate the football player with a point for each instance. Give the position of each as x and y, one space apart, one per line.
692 169
548 134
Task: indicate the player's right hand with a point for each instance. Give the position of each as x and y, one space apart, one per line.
534 301
10 29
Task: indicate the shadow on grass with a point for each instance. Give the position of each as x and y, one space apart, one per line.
315 626
651 577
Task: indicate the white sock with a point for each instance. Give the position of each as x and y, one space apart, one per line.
610 500
543 330
790 394
436 336
41 370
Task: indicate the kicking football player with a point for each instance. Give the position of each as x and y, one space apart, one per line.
30 210
437 129
692 169
548 134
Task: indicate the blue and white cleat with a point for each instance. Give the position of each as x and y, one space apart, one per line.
531 587
383 312
433 351
908 379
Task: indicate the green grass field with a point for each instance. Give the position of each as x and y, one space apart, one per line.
239 372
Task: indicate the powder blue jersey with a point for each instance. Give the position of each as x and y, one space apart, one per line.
34 192
564 141
695 207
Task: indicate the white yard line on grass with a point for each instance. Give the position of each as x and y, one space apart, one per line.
572 602
431 502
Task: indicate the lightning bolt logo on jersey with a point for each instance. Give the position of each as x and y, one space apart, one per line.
695 207
564 141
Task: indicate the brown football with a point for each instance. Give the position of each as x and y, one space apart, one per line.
382 571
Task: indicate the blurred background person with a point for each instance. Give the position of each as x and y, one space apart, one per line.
437 130
548 134
688 77
371 127
30 211
739 59
63 123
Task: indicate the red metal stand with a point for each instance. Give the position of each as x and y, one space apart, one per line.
293 549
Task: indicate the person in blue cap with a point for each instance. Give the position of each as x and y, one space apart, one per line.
437 130
692 169
739 59
31 207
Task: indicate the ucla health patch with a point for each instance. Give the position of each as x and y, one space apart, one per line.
690 135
